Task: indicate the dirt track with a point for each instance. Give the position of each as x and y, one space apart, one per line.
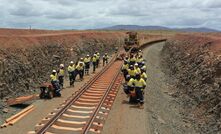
161 114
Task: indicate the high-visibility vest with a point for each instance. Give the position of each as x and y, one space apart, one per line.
61 72
139 60
98 56
144 75
86 60
139 83
138 70
78 67
132 72
53 77
81 63
71 68
94 59
125 67
130 82
133 59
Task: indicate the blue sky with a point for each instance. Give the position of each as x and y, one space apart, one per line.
88 14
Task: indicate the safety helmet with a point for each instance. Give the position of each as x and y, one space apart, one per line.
95 55
127 77
54 71
140 50
88 55
72 62
135 64
131 67
105 53
81 59
61 65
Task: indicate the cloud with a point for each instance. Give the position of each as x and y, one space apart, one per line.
86 14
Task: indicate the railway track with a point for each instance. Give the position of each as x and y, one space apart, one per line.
85 111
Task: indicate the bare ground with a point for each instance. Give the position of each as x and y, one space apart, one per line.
161 114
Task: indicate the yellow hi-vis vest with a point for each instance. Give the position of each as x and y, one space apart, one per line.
86 60
94 59
105 57
132 72
78 67
138 70
53 77
130 82
144 75
125 67
139 83
71 68
139 60
133 59
61 72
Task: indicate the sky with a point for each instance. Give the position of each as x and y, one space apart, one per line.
90 14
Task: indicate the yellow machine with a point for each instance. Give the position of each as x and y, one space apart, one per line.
131 42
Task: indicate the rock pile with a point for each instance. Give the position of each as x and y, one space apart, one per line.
198 73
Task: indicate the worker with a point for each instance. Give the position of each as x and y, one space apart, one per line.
128 84
116 49
55 83
61 75
105 59
136 67
132 60
126 59
71 72
82 61
143 74
144 67
80 70
140 85
131 71
140 60
94 61
124 69
98 59
87 60
140 52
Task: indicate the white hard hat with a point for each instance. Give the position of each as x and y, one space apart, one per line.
54 71
61 65
94 54
81 59
72 62
136 64
88 55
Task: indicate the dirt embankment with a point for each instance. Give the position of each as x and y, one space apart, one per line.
195 64
26 59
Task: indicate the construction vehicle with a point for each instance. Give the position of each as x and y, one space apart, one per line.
131 42
47 91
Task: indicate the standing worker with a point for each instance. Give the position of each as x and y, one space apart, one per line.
105 59
71 72
140 85
61 76
55 83
87 60
98 59
94 61
82 61
80 70
124 69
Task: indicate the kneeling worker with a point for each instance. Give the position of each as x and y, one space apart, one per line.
55 83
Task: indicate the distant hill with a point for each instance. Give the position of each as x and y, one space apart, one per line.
137 27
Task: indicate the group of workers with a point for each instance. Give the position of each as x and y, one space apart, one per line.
134 71
81 68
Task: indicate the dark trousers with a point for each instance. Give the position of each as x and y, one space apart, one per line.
87 67
105 61
80 73
98 62
56 86
139 94
94 66
125 73
61 81
72 77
